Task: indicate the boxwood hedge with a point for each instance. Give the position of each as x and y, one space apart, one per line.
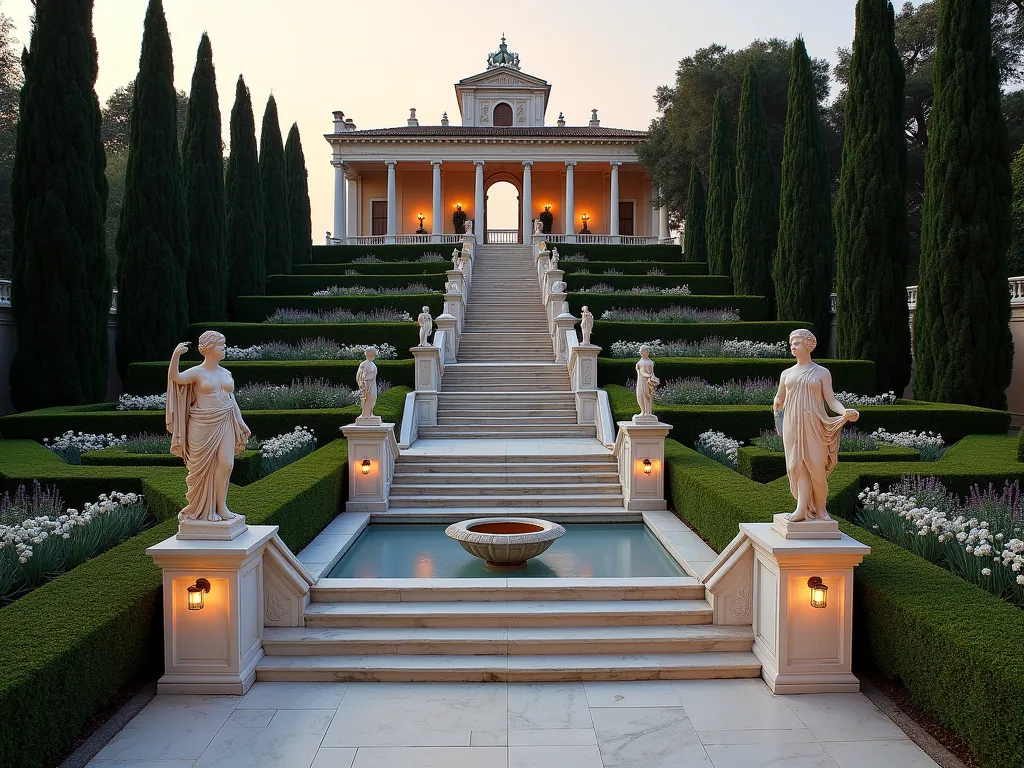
850 375
248 464
764 466
635 267
345 254
256 309
382 268
299 285
399 335
742 422
151 378
607 332
750 308
617 253
703 285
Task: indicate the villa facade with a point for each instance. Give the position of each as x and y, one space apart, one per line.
403 184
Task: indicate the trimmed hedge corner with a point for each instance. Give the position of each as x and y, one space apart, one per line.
763 466
248 464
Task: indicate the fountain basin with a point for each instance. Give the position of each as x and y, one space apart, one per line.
505 543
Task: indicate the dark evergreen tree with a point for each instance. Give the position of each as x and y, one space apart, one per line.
277 236
300 224
802 270
962 343
247 273
721 192
152 241
203 173
60 297
696 243
872 241
755 223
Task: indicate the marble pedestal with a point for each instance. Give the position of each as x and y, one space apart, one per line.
583 379
638 441
376 444
215 650
803 649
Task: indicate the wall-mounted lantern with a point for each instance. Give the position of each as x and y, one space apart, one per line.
195 594
819 592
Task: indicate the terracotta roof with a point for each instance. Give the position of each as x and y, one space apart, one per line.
459 131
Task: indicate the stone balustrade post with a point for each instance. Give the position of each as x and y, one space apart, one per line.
555 306
551 277
455 306
447 324
583 379
640 453
374 447
543 261
564 322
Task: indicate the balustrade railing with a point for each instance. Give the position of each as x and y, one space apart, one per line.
1015 285
502 236
398 239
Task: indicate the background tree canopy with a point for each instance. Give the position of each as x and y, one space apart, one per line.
682 133
10 90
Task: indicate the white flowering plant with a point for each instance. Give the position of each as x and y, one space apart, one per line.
852 398
71 445
363 290
929 444
679 290
142 402
368 258
712 347
40 539
980 538
715 445
288 316
431 256
280 451
574 257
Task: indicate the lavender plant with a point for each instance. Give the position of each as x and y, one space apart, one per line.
308 316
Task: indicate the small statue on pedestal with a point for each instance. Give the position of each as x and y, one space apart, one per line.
646 383
468 227
538 227
206 428
558 286
456 256
451 287
554 259
426 326
810 436
586 324
366 380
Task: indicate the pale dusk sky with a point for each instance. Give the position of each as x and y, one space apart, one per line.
375 60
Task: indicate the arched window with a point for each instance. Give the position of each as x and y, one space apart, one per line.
502 115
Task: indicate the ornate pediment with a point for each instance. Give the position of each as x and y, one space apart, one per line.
503 79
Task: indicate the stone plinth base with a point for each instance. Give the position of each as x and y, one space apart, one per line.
640 454
805 529
204 530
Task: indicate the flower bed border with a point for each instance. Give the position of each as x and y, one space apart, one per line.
401 336
750 308
763 466
256 309
298 285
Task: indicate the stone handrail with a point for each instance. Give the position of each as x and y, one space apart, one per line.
1015 285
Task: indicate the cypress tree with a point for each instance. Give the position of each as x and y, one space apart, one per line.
60 293
803 259
696 243
152 240
203 173
721 192
962 342
755 221
246 270
871 212
300 223
278 239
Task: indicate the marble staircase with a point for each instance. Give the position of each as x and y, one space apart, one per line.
481 630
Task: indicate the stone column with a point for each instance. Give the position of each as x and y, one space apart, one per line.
527 200
352 197
478 202
448 325
392 202
339 200
613 228
640 453
437 222
663 223
570 200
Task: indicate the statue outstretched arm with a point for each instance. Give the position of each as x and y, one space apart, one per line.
832 402
173 374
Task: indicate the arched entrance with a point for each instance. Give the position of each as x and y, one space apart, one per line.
502 209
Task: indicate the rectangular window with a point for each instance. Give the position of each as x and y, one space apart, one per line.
626 217
379 214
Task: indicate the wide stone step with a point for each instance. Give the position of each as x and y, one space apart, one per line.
522 411
505 420
513 641
460 476
528 461
506 501
520 431
434 488
583 613
495 388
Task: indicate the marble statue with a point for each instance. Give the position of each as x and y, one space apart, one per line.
554 259
810 436
538 227
206 428
468 227
558 286
451 287
646 382
456 256
586 324
426 326
366 380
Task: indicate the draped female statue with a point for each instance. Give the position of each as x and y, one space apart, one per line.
206 428
810 436
646 382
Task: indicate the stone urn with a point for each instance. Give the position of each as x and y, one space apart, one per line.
505 543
